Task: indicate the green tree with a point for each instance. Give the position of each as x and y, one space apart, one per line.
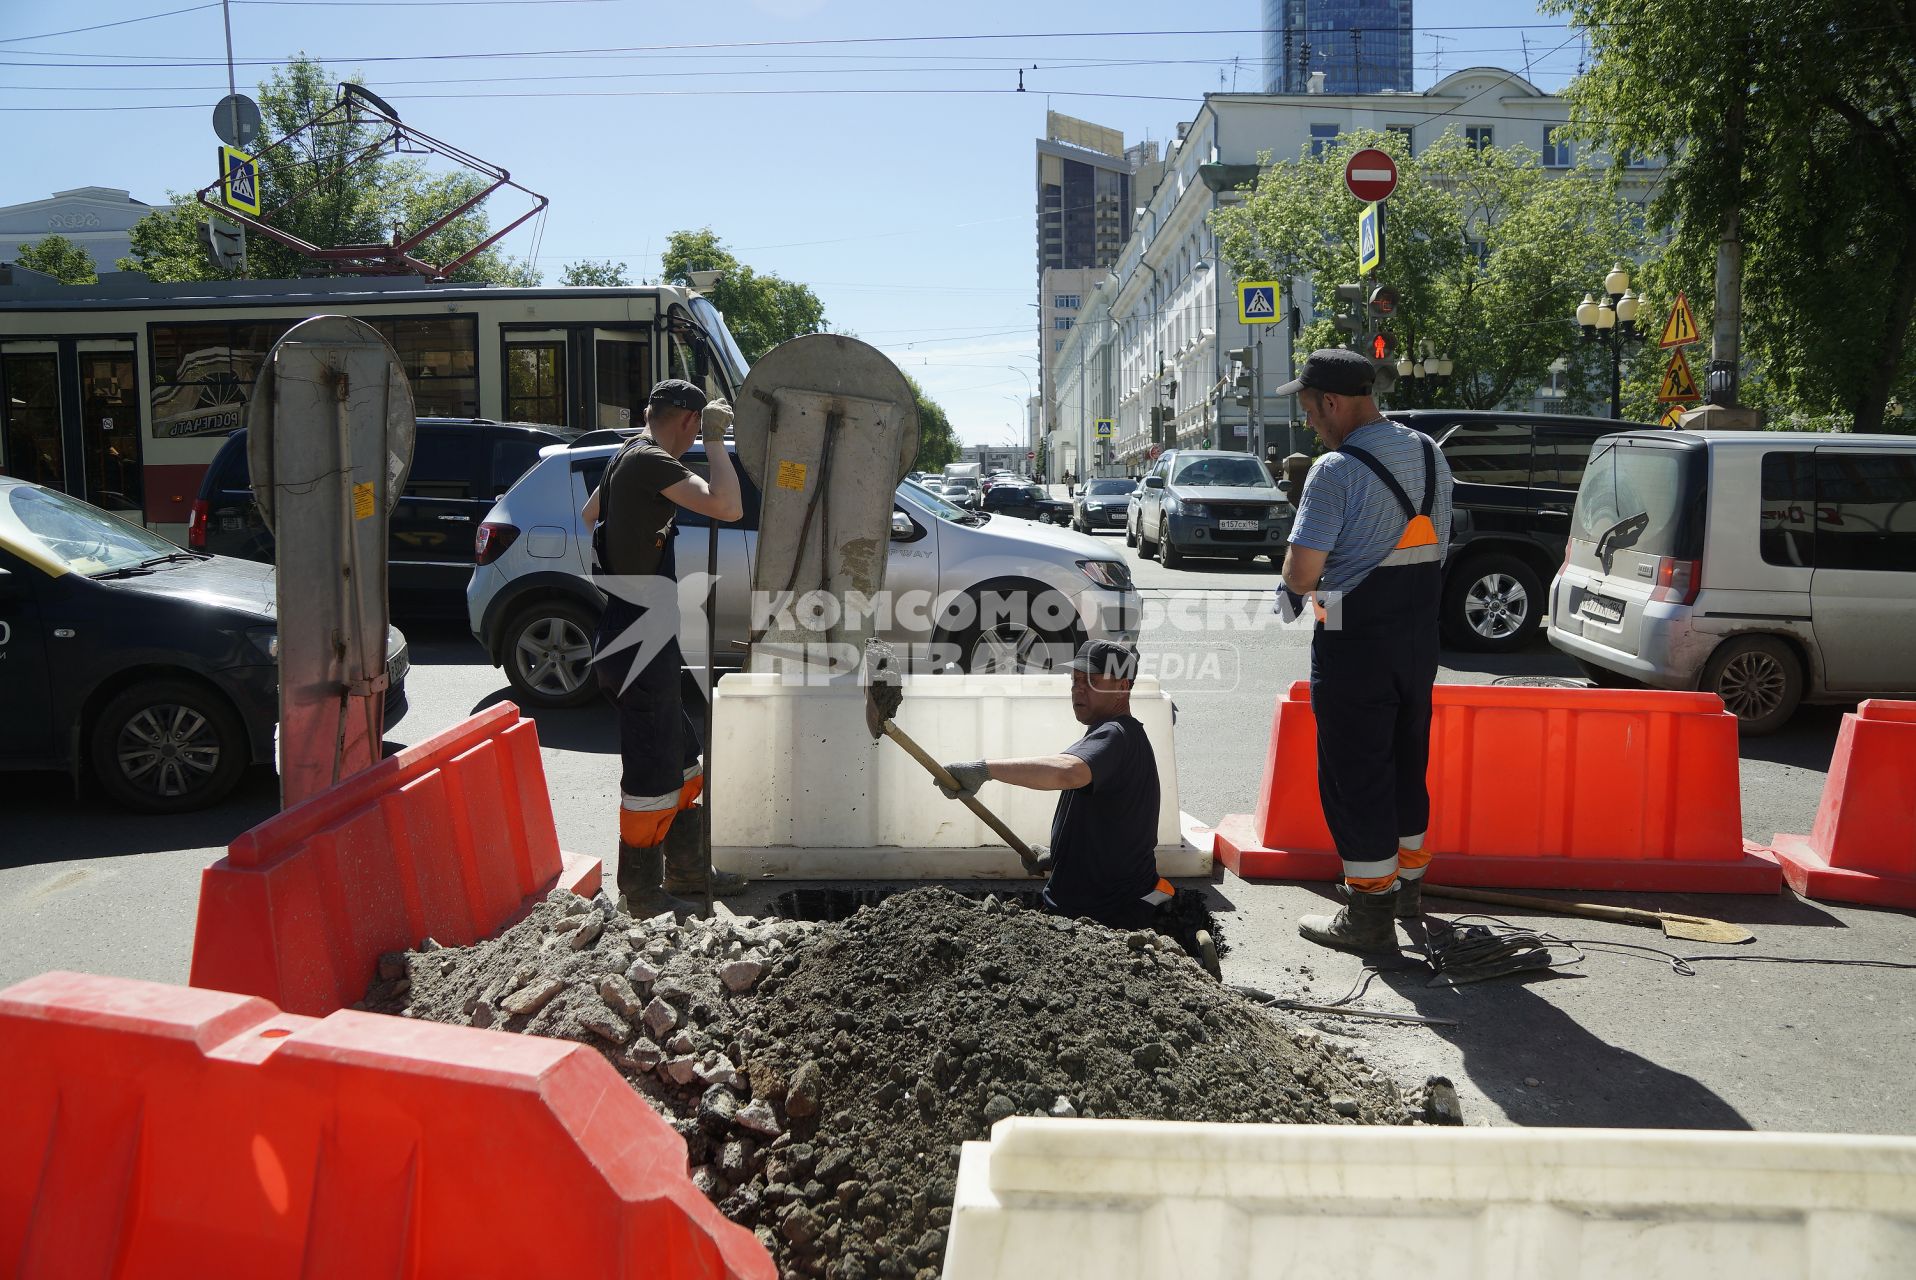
1489 250
344 193
589 272
58 257
1796 125
761 310
937 442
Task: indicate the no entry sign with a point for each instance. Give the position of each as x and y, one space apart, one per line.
1371 175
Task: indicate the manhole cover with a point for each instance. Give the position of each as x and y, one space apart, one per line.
1544 682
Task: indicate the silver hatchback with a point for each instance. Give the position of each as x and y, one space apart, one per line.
1769 568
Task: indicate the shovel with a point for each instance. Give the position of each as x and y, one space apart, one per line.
883 693
1674 924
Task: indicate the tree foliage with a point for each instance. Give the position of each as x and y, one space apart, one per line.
1824 177
588 272
937 442
58 257
1489 251
341 193
762 310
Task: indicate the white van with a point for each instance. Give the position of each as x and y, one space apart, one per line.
1768 568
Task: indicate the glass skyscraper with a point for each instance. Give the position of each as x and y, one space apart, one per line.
1361 46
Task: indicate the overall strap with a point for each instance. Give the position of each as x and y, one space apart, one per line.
1430 474
1382 472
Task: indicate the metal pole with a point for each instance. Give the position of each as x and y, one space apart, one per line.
1616 374
1256 430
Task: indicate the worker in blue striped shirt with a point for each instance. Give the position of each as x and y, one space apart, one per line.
1368 544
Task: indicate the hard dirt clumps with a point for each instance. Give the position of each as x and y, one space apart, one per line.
823 1076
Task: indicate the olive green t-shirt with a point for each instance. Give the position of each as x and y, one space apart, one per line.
635 516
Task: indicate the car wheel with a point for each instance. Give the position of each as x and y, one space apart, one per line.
1604 678
1492 603
168 746
1760 681
1147 549
1168 554
1130 534
1022 645
548 654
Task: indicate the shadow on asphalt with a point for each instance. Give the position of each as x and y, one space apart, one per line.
1806 742
442 642
1533 660
46 823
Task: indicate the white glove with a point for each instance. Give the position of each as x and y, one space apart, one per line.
715 420
1042 859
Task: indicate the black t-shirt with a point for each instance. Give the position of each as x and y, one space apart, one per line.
1105 835
635 516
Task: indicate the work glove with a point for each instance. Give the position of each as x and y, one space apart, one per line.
969 775
1289 605
714 422
1043 861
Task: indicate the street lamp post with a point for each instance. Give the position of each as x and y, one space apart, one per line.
1613 322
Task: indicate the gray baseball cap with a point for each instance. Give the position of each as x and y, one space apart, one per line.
677 393
1107 658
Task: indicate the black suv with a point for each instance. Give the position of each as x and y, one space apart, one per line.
460 467
1517 477
1026 502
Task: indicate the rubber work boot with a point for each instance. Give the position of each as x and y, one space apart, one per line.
1363 925
641 870
1409 899
685 865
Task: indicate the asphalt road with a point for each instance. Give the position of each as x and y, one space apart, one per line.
1808 1047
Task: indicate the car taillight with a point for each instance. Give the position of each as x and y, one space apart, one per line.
491 541
1677 581
196 525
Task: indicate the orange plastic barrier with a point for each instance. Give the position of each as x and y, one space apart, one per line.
1863 846
1535 788
448 839
162 1131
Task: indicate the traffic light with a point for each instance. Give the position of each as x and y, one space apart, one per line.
1244 379
1383 303
1385 380
1351 323
1158 415
1382 347
225 244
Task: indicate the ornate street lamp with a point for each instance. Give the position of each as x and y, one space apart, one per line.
1613 322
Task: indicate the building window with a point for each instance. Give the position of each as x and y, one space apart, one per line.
1556 150
1062 322
1478 136
1065 301
1404 132
1057 344
1322 137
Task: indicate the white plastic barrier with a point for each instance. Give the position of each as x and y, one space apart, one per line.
800 790
1104 1200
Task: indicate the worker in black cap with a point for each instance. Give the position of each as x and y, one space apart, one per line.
1102 861
636 651
1368 543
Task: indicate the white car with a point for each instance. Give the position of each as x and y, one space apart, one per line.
1045 590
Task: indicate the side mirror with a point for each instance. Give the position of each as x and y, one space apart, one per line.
902 529
1154 482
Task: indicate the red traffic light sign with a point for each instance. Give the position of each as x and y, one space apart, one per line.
1381 346
1371 174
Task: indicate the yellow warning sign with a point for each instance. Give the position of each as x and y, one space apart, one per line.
1680 329
363 500
1672 415
791 475
1678 382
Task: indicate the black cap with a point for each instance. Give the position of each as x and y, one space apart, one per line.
1333 369
1107 658
677 393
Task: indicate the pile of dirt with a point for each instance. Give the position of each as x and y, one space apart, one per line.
823 1075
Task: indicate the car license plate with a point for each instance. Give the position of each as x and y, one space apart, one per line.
1598 609
1238 526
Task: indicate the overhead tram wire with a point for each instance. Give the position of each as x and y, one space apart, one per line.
102 26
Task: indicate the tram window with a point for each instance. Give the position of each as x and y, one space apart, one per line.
440 355
30 414
535 383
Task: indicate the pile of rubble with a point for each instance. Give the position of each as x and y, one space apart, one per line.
823 1075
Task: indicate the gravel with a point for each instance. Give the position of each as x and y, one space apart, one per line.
824 1075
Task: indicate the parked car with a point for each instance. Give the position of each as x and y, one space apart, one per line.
150 668
1102 504
1026 502
1516 478
459 468
964 492
1210 503
533 606
1768 568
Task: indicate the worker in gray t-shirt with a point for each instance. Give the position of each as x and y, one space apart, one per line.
1368 543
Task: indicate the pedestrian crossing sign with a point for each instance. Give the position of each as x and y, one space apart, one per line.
1680 329
1104 428
1679 384
1257 302
1370 238
239 180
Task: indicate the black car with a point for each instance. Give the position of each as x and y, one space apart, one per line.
1516 476
1025 501
1102 504
121 655
460 467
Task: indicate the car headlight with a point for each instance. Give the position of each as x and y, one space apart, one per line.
1196 509
264 641
1170 505
1107 573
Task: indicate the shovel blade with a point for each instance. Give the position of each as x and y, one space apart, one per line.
1697 929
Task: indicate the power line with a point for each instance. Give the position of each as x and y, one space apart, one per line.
677 93
102 26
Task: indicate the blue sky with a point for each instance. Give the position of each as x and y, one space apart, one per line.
878 152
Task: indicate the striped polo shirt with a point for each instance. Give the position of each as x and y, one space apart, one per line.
1346 510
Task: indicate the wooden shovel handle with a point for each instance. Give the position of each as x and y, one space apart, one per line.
971 802
1592 910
